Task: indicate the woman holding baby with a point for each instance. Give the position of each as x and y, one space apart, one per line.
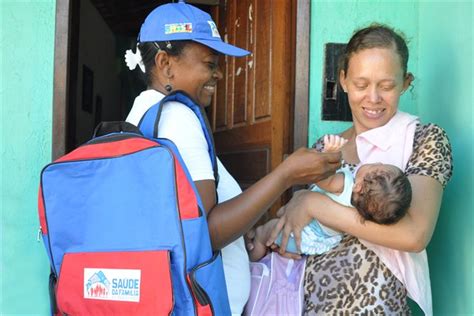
375 266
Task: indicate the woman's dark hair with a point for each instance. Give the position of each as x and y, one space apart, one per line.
149 50
375 36
384 198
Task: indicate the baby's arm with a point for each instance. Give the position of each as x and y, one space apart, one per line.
334 183
262 233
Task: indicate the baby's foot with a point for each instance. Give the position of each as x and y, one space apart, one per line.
333 143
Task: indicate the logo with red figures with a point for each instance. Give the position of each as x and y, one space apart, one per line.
98 285
112 284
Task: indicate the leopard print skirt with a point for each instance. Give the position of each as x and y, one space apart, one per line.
351 280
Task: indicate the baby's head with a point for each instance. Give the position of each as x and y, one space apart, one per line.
381 193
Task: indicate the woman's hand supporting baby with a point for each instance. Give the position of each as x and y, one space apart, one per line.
293 217
257 245
298 215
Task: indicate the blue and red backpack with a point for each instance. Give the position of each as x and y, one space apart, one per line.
125 229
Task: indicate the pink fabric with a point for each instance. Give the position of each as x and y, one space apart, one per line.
393 144
276 286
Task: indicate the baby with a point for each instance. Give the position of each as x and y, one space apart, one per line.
379 192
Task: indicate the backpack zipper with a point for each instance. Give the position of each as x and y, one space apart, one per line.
40 232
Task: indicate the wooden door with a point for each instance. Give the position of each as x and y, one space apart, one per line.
253 109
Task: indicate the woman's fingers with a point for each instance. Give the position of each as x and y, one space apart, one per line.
250 234
297 237
249 238
306 166
290 255
333 157
275 231
281 211
285 235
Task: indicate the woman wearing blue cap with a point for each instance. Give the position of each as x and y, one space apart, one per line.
178 49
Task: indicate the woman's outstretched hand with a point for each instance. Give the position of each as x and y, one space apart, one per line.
231 219
307 166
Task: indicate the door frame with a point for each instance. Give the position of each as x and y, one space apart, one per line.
61 84
64 93
66 50
301 81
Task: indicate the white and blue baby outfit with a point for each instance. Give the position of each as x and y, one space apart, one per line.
315 237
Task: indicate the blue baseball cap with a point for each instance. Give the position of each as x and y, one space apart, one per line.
182 21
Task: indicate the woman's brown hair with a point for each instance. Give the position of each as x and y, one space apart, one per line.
375 36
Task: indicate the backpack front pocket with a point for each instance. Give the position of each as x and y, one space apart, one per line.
209 288
115 283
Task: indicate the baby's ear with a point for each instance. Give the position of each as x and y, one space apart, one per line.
357 187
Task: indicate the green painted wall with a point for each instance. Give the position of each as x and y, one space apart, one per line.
444 87
440 34
441 46
27 43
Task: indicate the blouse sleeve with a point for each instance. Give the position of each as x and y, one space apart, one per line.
431 155
319 144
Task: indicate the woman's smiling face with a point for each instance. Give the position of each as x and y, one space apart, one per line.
196 72
374 82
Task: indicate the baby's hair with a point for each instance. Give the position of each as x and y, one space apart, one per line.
385 197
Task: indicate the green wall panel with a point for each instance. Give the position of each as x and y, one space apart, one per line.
445 97
27 43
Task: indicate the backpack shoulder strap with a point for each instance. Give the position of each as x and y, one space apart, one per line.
150 120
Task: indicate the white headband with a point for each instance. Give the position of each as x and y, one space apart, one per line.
134 59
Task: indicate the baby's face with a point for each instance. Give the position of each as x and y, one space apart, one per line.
367 169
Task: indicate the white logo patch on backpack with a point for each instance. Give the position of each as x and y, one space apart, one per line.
112 284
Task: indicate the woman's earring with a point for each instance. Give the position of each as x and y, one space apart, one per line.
168 88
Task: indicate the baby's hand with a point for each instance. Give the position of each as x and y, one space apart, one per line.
333 143
262 233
